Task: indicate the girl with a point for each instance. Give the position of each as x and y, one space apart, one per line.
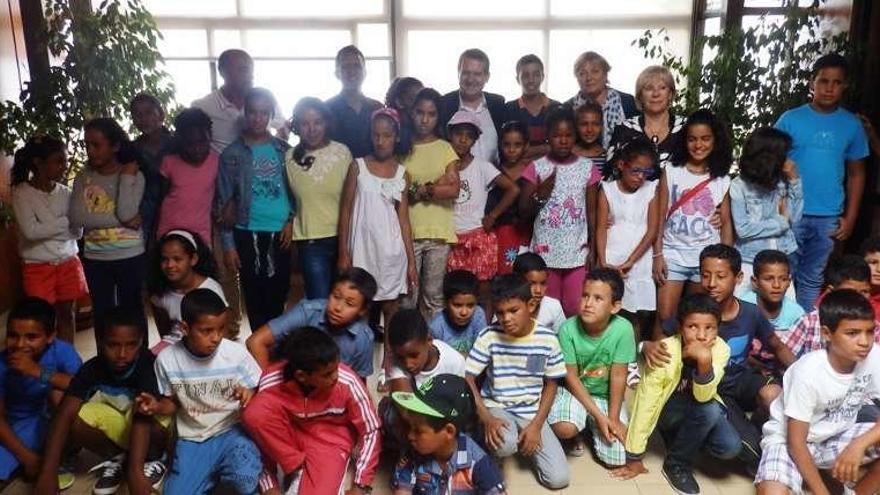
155 139
559 196
401 95
766 199
626 226
690 193
589 137
374 230
182 262
512 230
432 168
477 247
105 201
189 176
52 270
255 207
316 169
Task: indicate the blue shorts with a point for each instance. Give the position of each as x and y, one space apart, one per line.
31 430
230 458
679 273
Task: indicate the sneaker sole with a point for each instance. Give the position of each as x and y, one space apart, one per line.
105 491
158 483
676 490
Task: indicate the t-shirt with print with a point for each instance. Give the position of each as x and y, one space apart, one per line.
426 163
317 189
187 205
550 314
594 356
25 396
170 302
204 387
821 145
688 229
449 361
474 184
270 205
814 392
95 381
460 338
560 229
515 367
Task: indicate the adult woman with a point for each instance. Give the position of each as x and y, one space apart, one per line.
591 71
655 91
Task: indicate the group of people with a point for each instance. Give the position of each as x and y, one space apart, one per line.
522 263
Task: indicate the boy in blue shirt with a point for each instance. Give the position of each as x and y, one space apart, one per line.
35 370
462 317
828 145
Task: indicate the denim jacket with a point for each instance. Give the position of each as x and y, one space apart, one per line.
234 183
756 217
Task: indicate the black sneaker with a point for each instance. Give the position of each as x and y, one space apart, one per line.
154 471
109 476
681 480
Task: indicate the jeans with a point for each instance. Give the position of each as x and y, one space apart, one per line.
687 426
265 274
814 247
431 255
116 283
318 260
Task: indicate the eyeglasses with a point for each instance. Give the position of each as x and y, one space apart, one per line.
644 172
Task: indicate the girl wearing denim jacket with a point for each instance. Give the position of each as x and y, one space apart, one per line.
766 200
255 209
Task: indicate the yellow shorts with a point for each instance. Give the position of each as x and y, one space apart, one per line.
113 423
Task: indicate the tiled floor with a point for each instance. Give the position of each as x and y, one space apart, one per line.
715 478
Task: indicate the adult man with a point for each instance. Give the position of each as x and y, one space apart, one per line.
350 108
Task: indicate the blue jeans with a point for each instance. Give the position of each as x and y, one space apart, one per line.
687 426
814 247
318 260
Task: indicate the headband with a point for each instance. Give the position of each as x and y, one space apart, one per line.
387 112
186 235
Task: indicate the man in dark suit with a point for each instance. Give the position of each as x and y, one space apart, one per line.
488 108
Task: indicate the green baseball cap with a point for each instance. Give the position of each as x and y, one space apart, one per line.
443 396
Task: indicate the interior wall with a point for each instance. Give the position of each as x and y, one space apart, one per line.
13 69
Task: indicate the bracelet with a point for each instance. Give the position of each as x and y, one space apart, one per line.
657 255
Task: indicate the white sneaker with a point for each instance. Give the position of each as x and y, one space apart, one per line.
111 476
155 471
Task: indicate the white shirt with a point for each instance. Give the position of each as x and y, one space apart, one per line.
814 392
449 361
227 120
44 225
170 302
486 146
550 314
473 192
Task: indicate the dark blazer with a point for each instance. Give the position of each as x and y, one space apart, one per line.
494 102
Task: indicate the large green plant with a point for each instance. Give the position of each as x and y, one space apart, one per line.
749 76
99 59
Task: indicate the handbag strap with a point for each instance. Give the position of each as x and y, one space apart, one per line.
689 195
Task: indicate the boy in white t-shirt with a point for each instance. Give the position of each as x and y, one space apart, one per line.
205 380
534 269
813 423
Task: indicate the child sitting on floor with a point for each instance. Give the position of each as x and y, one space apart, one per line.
462 318
549 312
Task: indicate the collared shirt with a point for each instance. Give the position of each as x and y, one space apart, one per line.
486 146
469 471
806 335
227 120
355 341
352 128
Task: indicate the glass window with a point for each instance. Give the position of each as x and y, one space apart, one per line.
763 3
604 8
192 79
183 43
295 43
470 9
304 8
374 40
192 8
226 39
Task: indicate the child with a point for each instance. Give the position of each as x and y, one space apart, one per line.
444 459
104 202
518 363
846 272
532 107
47 244
680 399
256 209
597 347
588 142
35 370
626 227
825 163
462 319
563 202
352 110
477 247
871 253
341 316
512 230
311 414
155 140
690 193
813 423
434 174
97 412
766 199
189 177
374 230
549 312
206 380
182 263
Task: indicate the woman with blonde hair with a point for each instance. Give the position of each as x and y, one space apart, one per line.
591 71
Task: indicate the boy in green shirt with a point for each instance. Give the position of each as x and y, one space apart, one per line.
597 345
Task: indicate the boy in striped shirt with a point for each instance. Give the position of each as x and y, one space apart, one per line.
522 362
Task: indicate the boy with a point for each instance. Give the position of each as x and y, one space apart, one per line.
534 269
597 346
522 363
680 398
97 412
871 254
444 459
350 107
341 316
206 380
462 318
846 272
829 147
813 423
311 414
35 370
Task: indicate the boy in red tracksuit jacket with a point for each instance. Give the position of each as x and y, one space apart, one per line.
309 414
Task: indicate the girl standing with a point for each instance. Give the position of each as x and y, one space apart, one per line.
47 243
589 137
512 230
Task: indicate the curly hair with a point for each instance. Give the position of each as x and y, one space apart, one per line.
721 157
763 155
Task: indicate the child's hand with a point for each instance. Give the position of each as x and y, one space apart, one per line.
31 463
530 439
412 277
789 169
696 351
846 468
285 237
146 404
488 223
619 430
629 471
24 364
715 219
243 395
493 427
343 261
133 223
655 354
545 188
659 270
604 426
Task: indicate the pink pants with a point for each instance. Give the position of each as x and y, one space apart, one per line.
566 284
